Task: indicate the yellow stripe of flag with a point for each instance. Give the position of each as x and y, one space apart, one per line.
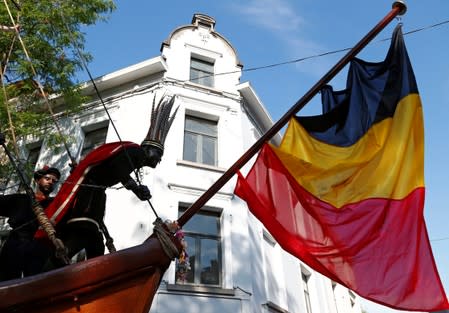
387 162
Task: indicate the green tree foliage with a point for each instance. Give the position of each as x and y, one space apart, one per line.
51 31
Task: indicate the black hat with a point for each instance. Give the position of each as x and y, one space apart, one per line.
47 170
160 122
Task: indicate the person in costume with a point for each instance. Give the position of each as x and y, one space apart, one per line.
79 207
21 255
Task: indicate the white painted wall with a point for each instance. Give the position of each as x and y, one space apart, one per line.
257 272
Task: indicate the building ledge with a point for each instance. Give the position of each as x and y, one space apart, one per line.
201 289
274 307
200 166
195 191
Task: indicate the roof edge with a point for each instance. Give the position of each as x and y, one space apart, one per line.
257 109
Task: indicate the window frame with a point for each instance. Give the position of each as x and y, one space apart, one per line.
334 288
34 151
204 70
352 298
88 131
200 139
217 213
305 278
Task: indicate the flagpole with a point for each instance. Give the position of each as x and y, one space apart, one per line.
398 8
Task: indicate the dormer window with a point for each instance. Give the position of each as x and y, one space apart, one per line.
201 72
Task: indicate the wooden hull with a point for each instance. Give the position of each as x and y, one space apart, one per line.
121 282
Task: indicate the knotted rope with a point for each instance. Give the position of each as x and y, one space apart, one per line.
164 236
61 251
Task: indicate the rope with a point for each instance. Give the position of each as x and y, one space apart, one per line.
8 112
164 236
5 94
43 220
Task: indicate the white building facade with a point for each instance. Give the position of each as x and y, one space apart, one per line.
236 265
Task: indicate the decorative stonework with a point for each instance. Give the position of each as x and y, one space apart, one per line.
204 37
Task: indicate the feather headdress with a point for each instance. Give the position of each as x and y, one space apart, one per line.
161 121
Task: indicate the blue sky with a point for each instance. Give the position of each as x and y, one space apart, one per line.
266 32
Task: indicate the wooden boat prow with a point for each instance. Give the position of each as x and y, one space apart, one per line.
123 281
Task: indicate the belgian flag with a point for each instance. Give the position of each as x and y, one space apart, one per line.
344 192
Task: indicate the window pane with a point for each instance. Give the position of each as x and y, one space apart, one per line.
202 235
202 72
305 283
202 78
201 126
305 280
208 150
200 140
195 75
190 147
30 166
33 156
209 262
202 65
93 140
206 80
204 224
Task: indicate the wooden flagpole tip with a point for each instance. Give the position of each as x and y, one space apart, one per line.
402 5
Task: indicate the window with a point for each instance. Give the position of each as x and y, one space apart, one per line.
202 72
200 140
334 287
273 273
93 139
33 156
351 298
202 234
305 285
30 164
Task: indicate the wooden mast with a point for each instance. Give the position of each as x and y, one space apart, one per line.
398 8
